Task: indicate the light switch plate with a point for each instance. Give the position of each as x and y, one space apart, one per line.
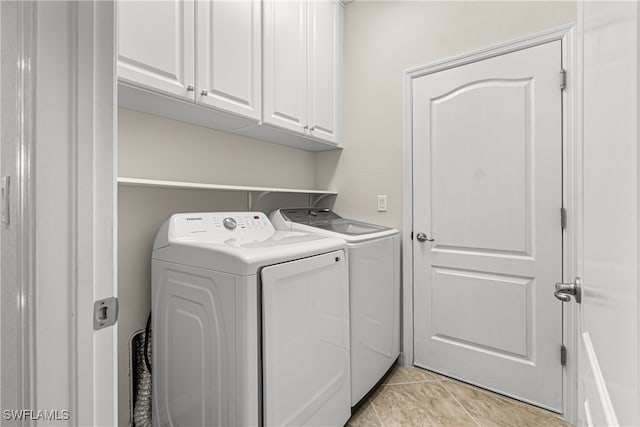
382 203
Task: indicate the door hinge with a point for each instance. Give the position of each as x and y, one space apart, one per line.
412 235
563 79
563 355
105 313
563 218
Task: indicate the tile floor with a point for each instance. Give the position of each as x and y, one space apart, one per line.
415 397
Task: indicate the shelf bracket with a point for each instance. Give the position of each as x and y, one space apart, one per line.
317 199
251 201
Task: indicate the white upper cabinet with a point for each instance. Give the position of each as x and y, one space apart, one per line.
302 66
268 69
156 45
285 64
228 59
324 73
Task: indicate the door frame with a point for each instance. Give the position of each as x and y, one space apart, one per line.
566 35
67 168
18 47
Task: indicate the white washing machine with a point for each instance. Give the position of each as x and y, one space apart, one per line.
374 280
250 325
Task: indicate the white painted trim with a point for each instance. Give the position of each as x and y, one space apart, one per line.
21 36
558 33
601 385
407 224
578 217
570 195
565 34
637 95
95 191
75 181
587 413
26 233
638 178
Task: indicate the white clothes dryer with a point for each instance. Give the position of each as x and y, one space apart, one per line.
250 325
374 281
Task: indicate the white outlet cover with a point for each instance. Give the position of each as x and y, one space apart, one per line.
382 203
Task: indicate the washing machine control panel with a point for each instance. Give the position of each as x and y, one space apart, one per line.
220 227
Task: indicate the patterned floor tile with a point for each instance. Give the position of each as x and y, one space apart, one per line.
490 409
408 374
364 417
425 403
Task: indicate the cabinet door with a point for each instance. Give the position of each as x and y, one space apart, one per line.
325 65
156 45
229 55
285 64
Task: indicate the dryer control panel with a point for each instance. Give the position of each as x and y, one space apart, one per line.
220 227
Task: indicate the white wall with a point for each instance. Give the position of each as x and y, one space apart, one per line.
158 148
384 38
153 147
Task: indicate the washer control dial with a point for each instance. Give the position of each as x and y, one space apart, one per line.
229 223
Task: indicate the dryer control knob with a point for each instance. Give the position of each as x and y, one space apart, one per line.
229 223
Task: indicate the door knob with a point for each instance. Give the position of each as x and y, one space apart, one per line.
423 238
564 291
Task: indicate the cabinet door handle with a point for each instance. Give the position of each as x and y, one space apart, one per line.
190 88
312 128
204 92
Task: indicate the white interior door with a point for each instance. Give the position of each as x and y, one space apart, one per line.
487 141
305 349
608 389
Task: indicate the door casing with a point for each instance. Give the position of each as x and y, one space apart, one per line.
565 34
65 137
17 337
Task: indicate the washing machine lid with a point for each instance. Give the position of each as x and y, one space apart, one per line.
329 223
234 242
